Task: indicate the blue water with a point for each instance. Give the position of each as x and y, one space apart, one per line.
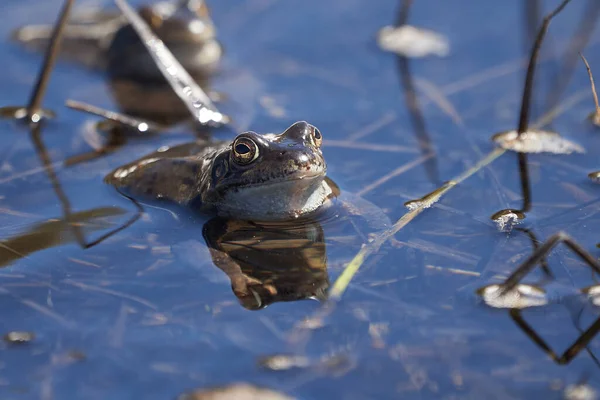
155 317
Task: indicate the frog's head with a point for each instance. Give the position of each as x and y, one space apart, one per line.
272 176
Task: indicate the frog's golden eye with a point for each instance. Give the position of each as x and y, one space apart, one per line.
244 150
318 137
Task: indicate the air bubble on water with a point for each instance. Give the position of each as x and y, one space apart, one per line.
506 219
412 42
536 141
522 296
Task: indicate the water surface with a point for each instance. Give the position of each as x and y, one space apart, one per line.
154 316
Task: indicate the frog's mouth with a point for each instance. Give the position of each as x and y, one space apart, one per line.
279 199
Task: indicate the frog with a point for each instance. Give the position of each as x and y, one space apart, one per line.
255 177
259 177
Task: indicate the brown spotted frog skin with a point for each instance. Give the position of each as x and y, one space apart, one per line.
257 177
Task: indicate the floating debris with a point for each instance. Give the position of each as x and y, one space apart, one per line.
580 391
414 204
76 355
506 219
19 337
593 293
237 391
594 176
283 362
522 296
331 364
536 141
410 41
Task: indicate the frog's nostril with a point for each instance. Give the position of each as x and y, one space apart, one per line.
299 130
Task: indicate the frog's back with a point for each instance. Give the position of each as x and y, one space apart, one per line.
178 174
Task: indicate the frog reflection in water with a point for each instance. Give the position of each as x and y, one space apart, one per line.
257 177
269 262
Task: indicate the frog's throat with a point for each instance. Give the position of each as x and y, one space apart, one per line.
276 201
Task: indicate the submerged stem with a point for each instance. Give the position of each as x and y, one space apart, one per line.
589 71
529 76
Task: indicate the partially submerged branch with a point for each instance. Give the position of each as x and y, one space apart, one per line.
594 116
33 112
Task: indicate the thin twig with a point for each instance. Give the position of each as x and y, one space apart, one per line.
134 123
403 12
589 71
65 203
344 279
33 106
417 118
427 201
577 43
525 185
529 76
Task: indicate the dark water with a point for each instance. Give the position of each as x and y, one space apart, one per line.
154 316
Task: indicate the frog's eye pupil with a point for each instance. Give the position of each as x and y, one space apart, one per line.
244 151
242 148
318 134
